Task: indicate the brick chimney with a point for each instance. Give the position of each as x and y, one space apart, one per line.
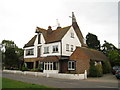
49 29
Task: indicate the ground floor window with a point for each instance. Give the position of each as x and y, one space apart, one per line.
50 65
71 65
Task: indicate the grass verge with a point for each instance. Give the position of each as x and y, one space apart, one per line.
9 83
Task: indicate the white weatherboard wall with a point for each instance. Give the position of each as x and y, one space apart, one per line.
30 56
71 41
35 47
50 45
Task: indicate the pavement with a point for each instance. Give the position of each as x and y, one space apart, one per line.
106 78
107 81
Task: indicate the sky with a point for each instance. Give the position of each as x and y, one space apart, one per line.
19 18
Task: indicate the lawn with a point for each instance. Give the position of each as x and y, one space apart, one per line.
9 83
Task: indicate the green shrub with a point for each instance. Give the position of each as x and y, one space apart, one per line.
35 69
92 71
106 67
95 71
99 69
24 67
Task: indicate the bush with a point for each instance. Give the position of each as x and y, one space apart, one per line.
24 67
35 69
92 71
99 72
95 71
106 67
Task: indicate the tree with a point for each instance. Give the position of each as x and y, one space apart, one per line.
11 59
106 67
106 47
111 52
114 57
92 41
15 52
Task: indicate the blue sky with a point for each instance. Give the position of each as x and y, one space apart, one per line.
19 18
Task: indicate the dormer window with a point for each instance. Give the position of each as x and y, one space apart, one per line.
72 35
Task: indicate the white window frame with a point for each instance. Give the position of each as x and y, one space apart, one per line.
70 67
46 50
72 35
67 47
30 51
55 49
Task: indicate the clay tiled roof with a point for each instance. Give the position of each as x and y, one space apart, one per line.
79 33
90 53
55 35
31 42
50 59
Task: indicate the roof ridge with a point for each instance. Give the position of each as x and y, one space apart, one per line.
62 28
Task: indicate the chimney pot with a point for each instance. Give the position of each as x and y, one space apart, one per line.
49 27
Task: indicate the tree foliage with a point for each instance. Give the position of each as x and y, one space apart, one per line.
106 67
12 54
92 41
111 52
114 57
106 47
11 59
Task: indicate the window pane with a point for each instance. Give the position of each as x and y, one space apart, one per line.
30 52
46 49
73 65
71 48
69 65
55 48
72 35
67 47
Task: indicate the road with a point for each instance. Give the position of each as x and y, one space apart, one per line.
61 83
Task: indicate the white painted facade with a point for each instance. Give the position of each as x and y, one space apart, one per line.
61 45
71 41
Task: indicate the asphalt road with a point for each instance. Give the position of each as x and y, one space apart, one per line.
62 83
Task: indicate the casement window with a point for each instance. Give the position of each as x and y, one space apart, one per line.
55 49
46 50
72 35
29 51
71 48
67 47
71 65
39 38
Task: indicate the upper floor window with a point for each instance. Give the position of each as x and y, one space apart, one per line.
55 48
39 38
46 50
71 48
67 47
30 51
72 35
71 65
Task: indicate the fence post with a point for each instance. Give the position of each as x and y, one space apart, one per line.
85 75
